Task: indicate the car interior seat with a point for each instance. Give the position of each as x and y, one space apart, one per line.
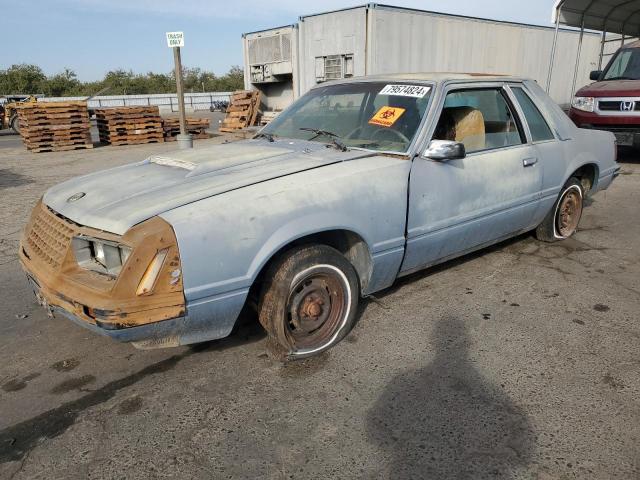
462 124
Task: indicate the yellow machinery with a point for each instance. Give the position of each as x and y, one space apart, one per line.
9 111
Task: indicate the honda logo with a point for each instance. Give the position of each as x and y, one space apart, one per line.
627 106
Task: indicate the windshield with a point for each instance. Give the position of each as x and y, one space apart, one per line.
625 66
373 115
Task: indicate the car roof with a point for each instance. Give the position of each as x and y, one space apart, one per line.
437 77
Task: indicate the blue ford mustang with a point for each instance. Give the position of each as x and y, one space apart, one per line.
357 183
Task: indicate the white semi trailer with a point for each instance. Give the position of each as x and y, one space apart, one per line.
287 61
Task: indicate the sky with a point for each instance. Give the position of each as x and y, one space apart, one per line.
92 37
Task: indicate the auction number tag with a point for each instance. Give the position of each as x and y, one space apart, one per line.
386 116
415 91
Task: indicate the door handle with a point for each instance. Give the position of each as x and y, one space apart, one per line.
529 162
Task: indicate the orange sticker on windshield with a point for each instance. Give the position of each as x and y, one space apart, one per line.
386 116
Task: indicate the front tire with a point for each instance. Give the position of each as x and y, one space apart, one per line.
562 220
309 300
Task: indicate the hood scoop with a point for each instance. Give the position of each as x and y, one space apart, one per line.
173 162
202 161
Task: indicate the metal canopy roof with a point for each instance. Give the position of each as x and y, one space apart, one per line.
614 16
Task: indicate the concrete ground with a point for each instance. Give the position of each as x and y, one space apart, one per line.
522 361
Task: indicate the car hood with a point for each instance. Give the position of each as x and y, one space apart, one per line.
114 200
612 88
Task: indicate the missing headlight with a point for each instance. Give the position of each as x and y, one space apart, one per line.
99 255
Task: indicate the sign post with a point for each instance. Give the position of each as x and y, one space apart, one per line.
175 40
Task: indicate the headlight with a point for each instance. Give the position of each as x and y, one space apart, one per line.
100 255
586 104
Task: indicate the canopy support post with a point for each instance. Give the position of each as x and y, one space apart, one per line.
575 72
602 43
553 48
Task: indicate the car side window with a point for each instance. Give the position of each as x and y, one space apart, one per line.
539 127
481 119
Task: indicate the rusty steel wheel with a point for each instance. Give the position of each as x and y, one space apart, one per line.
569 212
562 220
309 302
317 307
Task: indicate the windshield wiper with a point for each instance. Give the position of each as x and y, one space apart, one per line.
335 139
620 78
266 135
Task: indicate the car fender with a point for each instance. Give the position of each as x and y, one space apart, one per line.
226 240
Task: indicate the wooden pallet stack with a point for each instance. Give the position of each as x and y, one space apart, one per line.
197 127
268 116
129 125
242 111
54 126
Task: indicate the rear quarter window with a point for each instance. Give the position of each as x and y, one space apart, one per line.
540 130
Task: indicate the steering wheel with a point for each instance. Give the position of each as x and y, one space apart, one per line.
353 132
395 132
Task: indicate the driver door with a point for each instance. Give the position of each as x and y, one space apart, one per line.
460 205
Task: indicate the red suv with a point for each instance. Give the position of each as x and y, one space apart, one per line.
612 103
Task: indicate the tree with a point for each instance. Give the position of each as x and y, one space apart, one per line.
65 83
233 80
23 78
30 79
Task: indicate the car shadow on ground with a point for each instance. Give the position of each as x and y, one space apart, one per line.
447 421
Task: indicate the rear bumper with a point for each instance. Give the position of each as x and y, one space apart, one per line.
607 178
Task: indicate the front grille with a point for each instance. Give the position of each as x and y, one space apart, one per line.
609 106
616 106
49 237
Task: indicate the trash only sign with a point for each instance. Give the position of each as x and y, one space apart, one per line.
175 39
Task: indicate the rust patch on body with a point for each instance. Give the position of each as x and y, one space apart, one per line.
47 256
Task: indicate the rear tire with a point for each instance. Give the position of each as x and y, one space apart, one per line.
309 300
14 123
562 220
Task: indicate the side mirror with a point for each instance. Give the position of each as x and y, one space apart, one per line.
445 150
595 75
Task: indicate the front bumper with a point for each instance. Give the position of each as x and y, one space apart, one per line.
625 129
207 320
96 301
163 332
